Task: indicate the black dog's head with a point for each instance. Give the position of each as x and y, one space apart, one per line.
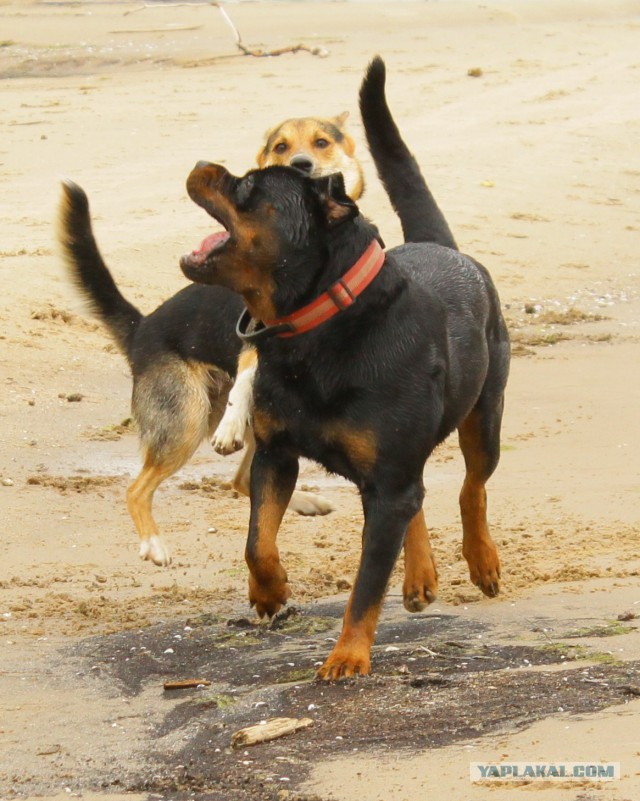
276 225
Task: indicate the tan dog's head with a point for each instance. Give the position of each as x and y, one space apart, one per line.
318 147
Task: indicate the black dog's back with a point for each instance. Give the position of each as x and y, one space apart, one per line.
196 324
475 325
420 216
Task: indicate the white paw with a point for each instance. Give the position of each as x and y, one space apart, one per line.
155 550
307 503
229 435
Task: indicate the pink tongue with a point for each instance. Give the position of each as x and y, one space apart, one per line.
212 241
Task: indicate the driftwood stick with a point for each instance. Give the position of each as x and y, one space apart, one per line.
269 730
229 22
247 51
167 5
186 684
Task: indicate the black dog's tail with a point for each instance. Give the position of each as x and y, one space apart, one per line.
88 270
420 216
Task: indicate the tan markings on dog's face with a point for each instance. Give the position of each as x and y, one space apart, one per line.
252 275
244 260
317 147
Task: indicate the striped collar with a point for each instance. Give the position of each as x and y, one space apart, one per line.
337 298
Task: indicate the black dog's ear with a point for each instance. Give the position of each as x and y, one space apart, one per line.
338 206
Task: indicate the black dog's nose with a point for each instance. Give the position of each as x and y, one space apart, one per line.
202 164
302 163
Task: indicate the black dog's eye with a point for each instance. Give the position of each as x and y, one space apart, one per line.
281 147
244 190
321 143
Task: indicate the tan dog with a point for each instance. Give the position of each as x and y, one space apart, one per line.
182 371
317 147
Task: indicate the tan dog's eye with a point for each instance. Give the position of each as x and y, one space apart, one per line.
281 147
321 143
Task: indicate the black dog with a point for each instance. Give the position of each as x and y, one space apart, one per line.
366 362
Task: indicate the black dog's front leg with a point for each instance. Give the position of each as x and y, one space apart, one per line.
273 477
387 515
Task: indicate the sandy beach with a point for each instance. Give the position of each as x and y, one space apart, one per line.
524 117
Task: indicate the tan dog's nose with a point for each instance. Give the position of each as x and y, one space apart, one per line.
302 163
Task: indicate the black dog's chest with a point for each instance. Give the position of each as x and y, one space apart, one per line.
318 426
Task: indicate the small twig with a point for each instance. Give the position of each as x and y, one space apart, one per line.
229 22
165 5
247 51
158 30
450 656
539 630
315 51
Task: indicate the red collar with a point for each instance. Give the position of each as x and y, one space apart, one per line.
337 298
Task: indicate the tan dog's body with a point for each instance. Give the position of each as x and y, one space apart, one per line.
182 371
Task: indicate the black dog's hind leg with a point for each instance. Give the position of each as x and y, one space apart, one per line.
273 476
479 437
387 516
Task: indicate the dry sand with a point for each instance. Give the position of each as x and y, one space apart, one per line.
534 158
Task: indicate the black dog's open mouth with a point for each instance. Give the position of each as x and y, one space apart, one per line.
208 246
205 188
197 264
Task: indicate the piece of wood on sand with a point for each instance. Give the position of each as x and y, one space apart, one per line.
186 684
269 730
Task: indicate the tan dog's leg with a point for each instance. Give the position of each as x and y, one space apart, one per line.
139 503
174 405
230 434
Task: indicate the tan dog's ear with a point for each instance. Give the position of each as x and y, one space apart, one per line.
262 153
349 145
261 157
